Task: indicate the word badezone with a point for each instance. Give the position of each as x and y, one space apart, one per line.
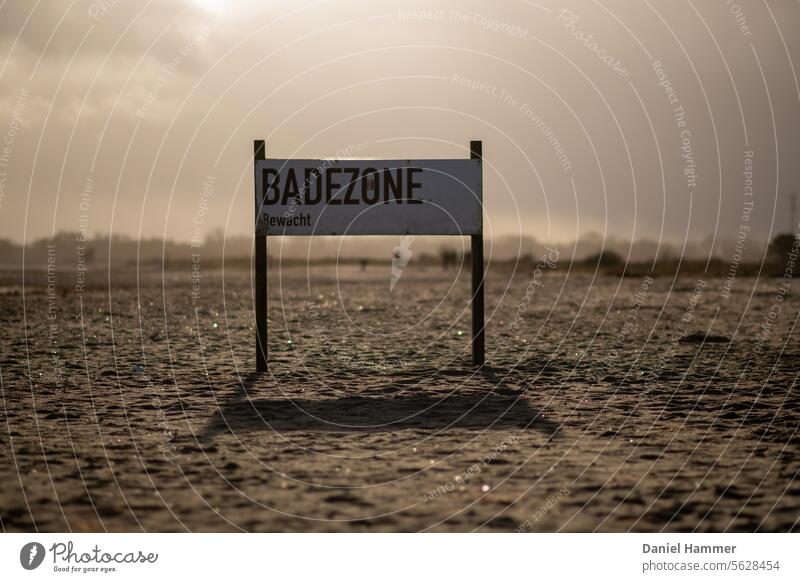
341 185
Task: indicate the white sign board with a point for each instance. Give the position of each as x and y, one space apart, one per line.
346 197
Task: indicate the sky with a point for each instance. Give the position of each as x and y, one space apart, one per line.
672 120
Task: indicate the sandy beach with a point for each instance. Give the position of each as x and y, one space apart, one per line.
607 404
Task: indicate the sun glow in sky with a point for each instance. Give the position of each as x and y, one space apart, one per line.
213 5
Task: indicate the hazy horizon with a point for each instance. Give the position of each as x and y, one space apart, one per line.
124 248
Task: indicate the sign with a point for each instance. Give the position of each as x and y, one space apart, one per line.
368 197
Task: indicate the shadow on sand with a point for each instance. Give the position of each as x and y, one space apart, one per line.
480 406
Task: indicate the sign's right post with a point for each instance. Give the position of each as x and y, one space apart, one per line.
478 348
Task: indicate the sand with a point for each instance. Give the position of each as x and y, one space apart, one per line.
133 407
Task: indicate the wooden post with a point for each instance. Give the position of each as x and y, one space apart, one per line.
478 347
260 274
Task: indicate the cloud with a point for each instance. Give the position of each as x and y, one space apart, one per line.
153 97
53 29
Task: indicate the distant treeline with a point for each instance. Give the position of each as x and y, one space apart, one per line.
66 249
69 248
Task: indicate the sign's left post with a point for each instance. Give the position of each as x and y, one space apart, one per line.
260 271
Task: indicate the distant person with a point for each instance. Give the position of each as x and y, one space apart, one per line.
448 258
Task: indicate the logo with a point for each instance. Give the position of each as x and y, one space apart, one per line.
31 555
402 254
